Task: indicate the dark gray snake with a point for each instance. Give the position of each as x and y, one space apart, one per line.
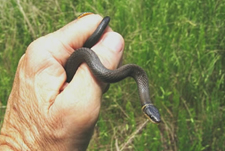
88 56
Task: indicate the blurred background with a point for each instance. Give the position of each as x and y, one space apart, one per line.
181 46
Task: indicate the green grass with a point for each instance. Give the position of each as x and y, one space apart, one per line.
181 46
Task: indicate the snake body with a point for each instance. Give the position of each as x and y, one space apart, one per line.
88 56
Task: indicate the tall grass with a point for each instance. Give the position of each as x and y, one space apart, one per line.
181 46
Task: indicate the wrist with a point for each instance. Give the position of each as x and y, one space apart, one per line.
12 133
10 140
10 143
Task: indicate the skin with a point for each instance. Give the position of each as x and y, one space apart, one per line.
43 111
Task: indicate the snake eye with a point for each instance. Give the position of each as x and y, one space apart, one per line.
151 117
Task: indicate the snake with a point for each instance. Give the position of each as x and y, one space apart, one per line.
86 55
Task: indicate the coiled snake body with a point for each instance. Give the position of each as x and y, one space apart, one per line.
86 55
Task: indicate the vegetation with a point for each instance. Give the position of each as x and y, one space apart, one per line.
180 44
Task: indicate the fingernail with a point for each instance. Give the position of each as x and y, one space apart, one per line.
84 14
113 41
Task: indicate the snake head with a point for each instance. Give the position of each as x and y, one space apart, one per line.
151 112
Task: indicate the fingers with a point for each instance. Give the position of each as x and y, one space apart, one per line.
71 114
45 57
110 49
83 93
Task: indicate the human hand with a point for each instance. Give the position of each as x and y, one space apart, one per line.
46 113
